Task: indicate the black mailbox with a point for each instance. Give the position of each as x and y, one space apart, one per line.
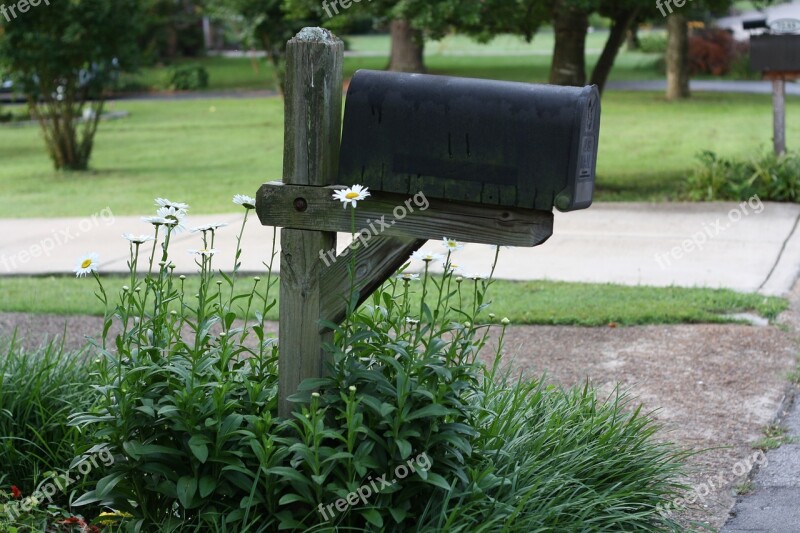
775 53
470 140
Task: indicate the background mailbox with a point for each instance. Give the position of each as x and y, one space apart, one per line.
468 140
775 53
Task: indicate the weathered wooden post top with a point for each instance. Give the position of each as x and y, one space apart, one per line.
492 159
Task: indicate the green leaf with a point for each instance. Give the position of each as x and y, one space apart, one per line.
137 450
199 446
291 498
373 517
430 411
207 485
105 485
229 319
398 514
187 488
86 499
405 448
437 480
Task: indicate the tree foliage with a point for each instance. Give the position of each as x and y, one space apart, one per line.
171 28
65 57
268 23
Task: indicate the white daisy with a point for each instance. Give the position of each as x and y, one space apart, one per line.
157 221
87 264
452 245
163 202
412 321
209 227
426 256
248 202
352 195
454 268
174 218
477 277
408 277
205 252
141 239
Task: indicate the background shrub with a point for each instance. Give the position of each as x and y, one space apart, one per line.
653 43
771 177
188 78
715 52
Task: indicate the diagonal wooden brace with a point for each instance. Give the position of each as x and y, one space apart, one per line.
375 262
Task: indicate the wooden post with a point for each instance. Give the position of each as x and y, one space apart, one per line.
313 117
779 114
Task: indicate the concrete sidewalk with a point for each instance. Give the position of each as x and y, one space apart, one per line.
743 247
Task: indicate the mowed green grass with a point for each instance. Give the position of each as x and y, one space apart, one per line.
204 151
535 302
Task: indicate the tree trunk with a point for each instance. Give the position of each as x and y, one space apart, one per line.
69 148
172 42
632 40
569 55
408 48
677 57
616 37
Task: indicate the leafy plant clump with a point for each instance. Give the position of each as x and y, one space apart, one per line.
409 430
653 43
770 177
39 389
188 78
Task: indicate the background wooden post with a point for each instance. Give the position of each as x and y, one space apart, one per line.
779 114
313 118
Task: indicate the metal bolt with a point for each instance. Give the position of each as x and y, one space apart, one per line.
300 204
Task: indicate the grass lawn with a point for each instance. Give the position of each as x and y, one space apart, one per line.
204 151
535 302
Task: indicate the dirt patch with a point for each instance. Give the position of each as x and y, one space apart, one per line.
713 387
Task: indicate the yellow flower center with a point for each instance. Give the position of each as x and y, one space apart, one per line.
86 263
352 195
